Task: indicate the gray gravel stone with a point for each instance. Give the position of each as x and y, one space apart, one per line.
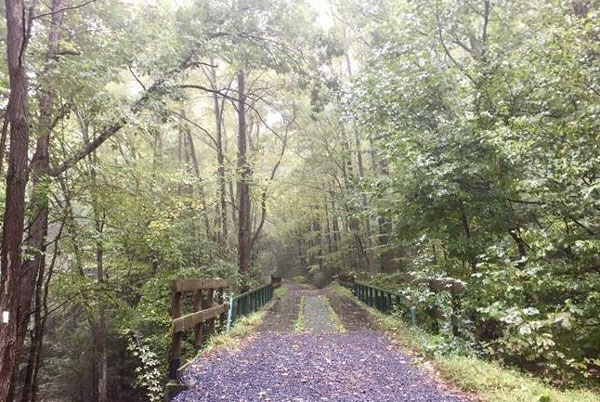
316 315
311 367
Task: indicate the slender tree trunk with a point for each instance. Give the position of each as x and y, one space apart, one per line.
220 160
319 241
30 386
16 181
370 257
194 159
97 318
33 269
99 321
327 224
334 222
243 181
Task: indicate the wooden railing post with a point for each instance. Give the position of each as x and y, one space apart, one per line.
197 304
221 300
412 313
176 340
456 318
210 294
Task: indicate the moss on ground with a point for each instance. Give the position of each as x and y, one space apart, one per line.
280 292
299 326
334 317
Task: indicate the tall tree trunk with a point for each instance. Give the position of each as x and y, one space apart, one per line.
318 242
370 257
335 226
16 182
30 386
40 166
3 136
218 111
327 224
99 321
243 186
194 159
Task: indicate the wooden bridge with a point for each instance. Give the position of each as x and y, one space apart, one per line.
307 311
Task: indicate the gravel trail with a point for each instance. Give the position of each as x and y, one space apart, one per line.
350 367
283 314
320 365
316 315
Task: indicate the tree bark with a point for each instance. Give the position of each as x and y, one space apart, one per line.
16 181
40 165
243 186
30 386
99 321
218 111
194 159
3 136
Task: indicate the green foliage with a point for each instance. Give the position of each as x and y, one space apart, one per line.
149 374
487 136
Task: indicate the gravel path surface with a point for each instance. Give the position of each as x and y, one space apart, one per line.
355 366
316 315
283 314
354 317
320 365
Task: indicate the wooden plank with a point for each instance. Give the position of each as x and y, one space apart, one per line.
197 305
210 323
190 320
176 340
189 285
221 300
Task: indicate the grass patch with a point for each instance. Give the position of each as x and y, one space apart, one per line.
340 290
280 292
489 380
242 327
335 318
498 384
299 326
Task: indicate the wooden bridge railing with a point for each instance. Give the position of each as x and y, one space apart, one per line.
346 281
386 301
275 281
248 302
203 317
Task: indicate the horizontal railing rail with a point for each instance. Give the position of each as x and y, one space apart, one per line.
201 319
387 301
384 300
248 302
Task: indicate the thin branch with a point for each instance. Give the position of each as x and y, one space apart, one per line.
136 78
64 9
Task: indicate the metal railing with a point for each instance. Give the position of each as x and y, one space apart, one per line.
248 302
383 300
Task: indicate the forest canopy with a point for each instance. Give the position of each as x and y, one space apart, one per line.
402 142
